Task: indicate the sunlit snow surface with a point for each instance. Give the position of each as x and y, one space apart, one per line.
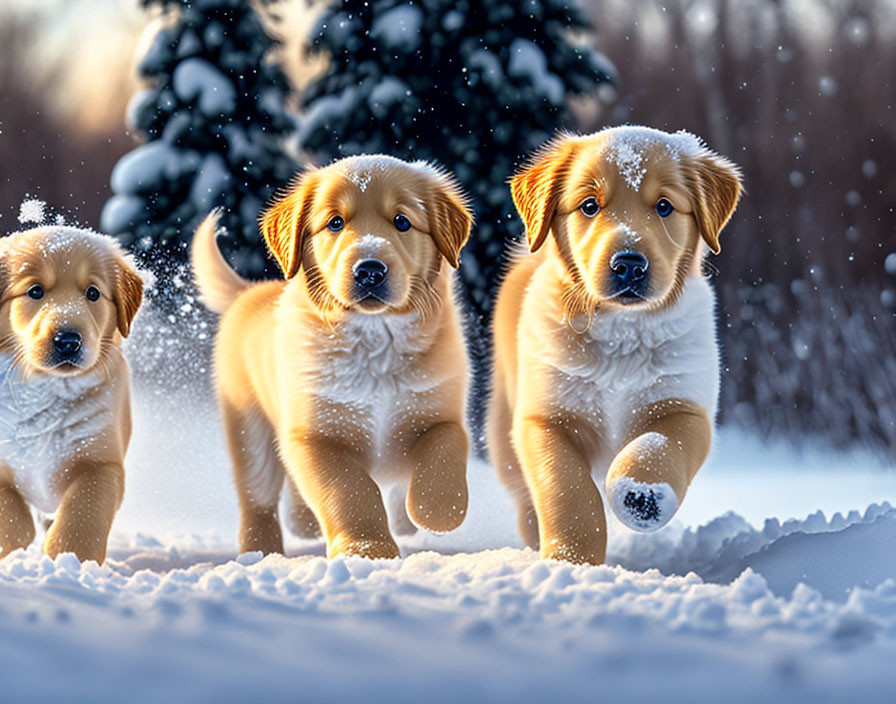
735 609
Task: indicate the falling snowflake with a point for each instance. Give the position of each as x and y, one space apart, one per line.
32 210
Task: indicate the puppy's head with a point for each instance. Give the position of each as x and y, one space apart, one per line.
66 295
632 210
370 232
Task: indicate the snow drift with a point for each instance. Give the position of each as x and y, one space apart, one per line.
188 622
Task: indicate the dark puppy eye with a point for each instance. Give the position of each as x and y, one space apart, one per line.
36 292
336 223
664 208
92 293
402 224
590 207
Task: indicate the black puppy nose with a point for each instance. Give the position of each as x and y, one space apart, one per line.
370 273
629 269
67 342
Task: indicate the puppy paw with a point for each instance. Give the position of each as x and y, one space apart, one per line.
437 507
586 553
84 548
371 549
642 506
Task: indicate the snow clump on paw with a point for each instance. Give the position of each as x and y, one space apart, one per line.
642 506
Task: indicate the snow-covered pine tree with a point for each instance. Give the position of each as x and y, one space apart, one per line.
214 115
472 84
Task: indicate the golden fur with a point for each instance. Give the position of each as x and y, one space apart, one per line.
66 423
588 381
335 390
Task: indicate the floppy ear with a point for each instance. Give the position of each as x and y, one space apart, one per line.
716 185
128 295
450 219
537 186
284 222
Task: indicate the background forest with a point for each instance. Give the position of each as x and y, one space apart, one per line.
799 93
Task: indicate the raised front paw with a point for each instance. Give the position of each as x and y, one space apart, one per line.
438 503
642 506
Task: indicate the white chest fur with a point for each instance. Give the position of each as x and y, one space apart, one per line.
372 366
44 422
627 360
369 356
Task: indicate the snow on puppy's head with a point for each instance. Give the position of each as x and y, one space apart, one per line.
372 230
632 209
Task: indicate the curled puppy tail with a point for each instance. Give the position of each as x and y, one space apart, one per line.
219 285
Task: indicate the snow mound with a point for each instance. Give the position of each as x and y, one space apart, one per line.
833 562
833 556
497 625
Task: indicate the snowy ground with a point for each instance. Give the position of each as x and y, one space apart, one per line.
743 605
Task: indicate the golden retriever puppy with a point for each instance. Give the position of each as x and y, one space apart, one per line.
68 297
352 371
606 364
